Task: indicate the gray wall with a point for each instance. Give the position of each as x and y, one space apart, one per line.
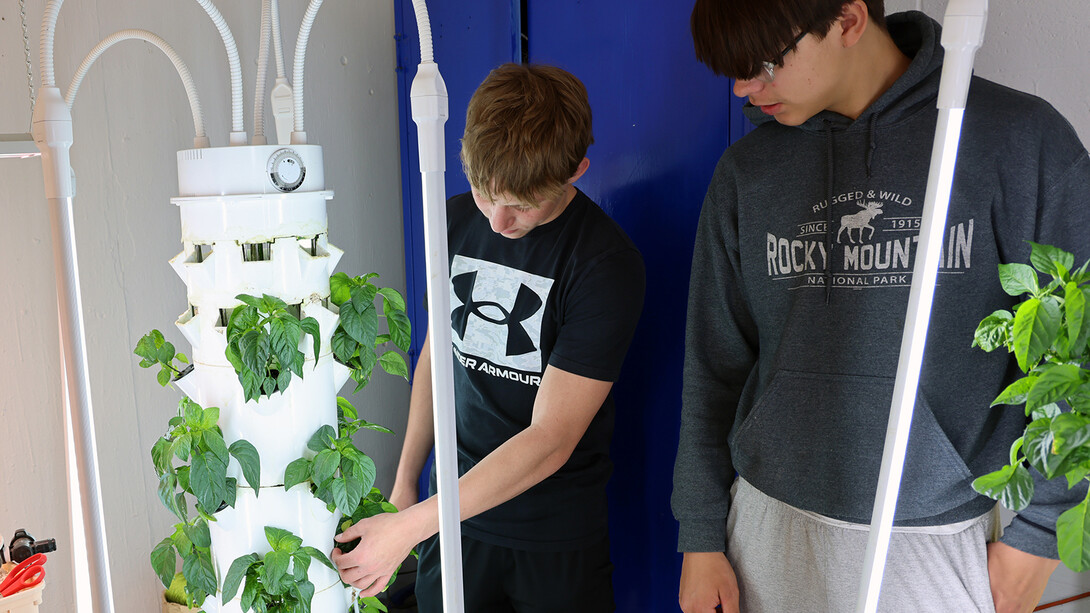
130 118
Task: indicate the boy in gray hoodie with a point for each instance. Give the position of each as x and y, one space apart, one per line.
800 281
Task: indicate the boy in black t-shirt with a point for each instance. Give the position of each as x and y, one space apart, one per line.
546 291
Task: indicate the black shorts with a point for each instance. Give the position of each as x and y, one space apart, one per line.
504 580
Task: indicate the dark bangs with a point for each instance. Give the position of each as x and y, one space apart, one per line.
733 37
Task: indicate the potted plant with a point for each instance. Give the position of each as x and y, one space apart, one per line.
1049 334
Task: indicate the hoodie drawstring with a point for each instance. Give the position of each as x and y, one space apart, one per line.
829 177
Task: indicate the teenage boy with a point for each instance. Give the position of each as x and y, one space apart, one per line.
546 291
800 282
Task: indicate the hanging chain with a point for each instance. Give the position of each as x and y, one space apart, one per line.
26 49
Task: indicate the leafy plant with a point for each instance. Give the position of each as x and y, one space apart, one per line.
1049 335
263 344
196 440
191 542
339 472
356 341
154 349
277 583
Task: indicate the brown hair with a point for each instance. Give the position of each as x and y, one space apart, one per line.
527 129
733 37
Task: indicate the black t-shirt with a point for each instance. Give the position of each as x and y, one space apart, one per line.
567 294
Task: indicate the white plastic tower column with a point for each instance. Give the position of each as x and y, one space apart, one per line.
962 35
235 196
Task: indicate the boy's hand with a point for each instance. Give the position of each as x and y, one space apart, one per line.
1018 578
707 581
384 544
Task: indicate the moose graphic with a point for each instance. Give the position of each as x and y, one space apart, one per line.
860 220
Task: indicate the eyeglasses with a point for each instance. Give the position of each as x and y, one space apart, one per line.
767 74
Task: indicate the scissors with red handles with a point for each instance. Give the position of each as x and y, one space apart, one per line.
26 574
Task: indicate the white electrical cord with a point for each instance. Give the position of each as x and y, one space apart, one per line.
278 41
423 27
49 26
262 73
200 140
281 96
238 129
299 134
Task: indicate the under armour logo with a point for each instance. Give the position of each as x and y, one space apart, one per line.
527 302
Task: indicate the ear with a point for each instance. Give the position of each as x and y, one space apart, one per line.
582 168
854 19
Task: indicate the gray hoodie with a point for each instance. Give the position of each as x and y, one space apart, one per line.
799 289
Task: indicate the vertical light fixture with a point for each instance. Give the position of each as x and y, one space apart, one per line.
962 35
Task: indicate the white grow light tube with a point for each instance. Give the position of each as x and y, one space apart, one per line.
430 112
962 35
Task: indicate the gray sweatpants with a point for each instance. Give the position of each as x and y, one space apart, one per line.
792 561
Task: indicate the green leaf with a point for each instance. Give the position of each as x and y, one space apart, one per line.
276 565
182 544
249 300
1073 537
1011 485
198 533
363 297
210 417
1056 383
393 363
343 345
1045 258
1018 279
1038 447
1035 329
347 409
325 464
208 477
321 557
339 289
1016 392
393 300
167 483
322 439
1047 411
296 472
165 354
994 331
163 377
147 349
1076 475
249 461
213 440
340 496
282 540
198 571
372 602
310 326
164 561
1069 432
161 456
400 329
235 575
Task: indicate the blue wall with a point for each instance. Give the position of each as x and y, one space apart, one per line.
661 121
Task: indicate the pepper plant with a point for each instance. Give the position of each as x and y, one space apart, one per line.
154 349
277 582
356 341
1049 335
263 344
341 475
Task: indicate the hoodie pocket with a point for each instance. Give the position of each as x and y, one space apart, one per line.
815 441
